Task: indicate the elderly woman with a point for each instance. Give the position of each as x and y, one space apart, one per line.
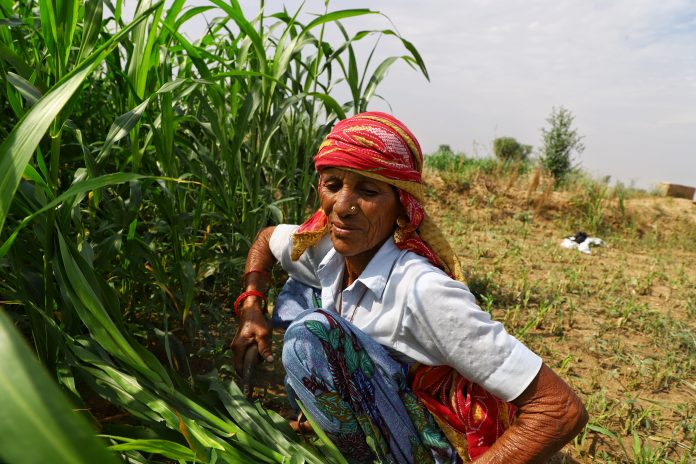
392 357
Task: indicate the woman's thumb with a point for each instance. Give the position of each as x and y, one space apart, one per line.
265 349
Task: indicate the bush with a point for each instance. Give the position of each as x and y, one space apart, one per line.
509 149
559 143
444 159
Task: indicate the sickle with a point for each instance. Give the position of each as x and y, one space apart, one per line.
251 359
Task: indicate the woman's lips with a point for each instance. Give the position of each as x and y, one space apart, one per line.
342 229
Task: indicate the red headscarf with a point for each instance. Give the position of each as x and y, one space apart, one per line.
380 146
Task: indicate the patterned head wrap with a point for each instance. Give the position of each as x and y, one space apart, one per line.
381 147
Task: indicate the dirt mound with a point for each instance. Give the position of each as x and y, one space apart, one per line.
672 209
595 206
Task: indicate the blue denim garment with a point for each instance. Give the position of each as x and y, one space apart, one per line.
295 298
358 394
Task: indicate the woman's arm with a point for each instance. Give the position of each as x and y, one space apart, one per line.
254 326
550 414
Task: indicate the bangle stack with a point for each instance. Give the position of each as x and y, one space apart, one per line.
255 293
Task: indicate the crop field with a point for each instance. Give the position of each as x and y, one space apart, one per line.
137 167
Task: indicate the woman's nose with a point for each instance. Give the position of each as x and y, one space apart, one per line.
346 203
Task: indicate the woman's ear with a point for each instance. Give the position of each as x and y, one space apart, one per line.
402 220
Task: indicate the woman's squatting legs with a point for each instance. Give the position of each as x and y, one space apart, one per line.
352 388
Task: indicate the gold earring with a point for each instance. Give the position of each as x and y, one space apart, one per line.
402 221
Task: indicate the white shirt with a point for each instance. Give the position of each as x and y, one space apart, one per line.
408 305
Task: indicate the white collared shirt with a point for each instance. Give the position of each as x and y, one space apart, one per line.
413 308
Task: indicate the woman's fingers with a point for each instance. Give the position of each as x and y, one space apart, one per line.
239 347
266 347
254 329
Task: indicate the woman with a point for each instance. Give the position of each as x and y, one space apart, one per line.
400 364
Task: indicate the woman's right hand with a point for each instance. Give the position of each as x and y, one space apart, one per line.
254 329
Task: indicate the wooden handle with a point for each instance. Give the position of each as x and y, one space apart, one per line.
251 359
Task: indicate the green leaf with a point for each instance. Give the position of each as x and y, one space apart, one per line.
325 440
84 294
17 149
337 15
318 329
376 79
37 423
166 448
24 87
260 425
14 59
121 126
350 355
75 190
91 28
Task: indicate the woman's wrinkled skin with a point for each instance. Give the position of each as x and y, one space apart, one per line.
362 214
550 414
254 327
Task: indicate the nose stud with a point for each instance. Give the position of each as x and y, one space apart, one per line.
353 209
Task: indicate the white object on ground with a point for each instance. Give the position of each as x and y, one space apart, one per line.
584 246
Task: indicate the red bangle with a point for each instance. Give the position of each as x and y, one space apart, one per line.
246 294
258 271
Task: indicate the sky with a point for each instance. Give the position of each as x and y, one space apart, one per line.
626 69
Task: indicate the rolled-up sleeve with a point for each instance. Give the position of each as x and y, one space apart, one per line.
448 321
305 268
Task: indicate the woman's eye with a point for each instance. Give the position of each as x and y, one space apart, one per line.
369 192
332 186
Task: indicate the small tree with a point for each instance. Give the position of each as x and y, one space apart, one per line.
444 148
509 149
559 143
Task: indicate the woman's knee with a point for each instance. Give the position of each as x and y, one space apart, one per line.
301 344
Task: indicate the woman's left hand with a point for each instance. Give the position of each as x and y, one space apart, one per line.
550 414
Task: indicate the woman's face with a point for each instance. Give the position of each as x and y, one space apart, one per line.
358 232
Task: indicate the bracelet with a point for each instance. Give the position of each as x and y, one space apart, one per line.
241 297
265 274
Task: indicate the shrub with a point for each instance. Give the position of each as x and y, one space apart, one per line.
509 149
560 140
444 159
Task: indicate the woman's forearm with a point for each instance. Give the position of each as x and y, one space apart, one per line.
550 415
261 259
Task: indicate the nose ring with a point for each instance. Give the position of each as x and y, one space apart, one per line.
353 209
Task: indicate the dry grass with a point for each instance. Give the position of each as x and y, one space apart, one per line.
618 324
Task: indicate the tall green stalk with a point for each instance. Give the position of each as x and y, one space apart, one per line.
137 168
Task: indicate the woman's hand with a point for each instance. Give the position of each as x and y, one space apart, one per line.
550 415
254 329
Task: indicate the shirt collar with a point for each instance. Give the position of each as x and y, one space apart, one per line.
374 277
